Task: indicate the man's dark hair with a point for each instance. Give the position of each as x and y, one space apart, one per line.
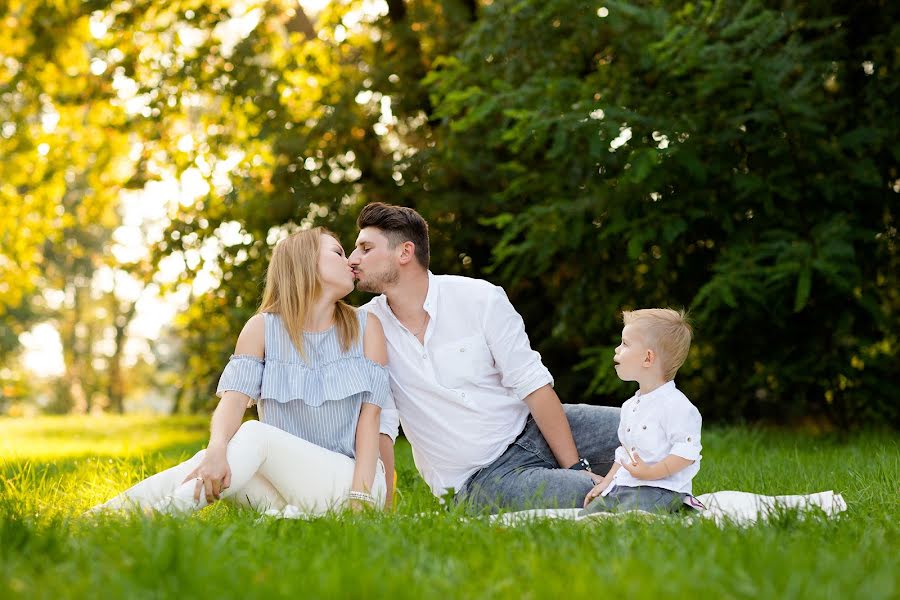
399 224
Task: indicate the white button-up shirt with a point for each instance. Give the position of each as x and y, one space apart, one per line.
654 426
459 396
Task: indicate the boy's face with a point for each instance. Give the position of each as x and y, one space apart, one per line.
632 355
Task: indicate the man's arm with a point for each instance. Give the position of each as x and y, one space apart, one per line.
548 413
386 448
522 371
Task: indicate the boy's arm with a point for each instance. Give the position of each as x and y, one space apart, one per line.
664 468
682 425
602 485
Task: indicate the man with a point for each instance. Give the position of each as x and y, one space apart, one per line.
474 399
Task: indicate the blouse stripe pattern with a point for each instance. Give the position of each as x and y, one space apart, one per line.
317 399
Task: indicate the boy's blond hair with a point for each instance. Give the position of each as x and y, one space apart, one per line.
667 332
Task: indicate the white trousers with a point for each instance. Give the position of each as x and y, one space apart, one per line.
271 469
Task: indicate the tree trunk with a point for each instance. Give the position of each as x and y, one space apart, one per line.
396 10
300 23
116 388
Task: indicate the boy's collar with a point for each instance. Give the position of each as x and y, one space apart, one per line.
660 391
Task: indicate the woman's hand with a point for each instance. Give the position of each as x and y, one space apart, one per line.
359 506
213 475
361 501
596 491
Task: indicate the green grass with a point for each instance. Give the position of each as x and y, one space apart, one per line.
51 469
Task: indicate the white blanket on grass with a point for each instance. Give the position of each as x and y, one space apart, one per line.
739 508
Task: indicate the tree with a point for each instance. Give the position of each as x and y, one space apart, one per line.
728 157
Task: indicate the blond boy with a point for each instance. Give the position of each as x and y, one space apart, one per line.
659 428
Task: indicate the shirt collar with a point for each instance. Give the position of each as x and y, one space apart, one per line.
430 304
658 392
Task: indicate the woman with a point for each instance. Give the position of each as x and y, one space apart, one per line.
315 366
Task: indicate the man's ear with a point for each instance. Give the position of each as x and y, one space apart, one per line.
649 358
407 252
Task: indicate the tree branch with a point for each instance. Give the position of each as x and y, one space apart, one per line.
300 23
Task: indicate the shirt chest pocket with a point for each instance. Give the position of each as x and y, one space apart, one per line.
647 437
465 361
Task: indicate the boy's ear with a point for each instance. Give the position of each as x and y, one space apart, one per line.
649 358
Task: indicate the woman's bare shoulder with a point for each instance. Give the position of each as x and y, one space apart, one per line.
374 345
252 339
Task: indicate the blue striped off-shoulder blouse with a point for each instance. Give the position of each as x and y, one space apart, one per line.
317 399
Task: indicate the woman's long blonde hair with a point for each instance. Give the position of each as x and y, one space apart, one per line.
293 285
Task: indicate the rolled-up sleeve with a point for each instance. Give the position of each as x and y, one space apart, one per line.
390 419
621 456
520 367
244 374
683 431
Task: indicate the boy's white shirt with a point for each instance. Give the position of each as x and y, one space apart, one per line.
460 396
654 426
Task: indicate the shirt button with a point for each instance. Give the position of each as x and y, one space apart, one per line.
628 430
645 427
425 356
463 394
462 349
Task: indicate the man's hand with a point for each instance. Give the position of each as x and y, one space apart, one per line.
213 475
596 491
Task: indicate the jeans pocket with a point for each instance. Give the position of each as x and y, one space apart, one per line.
535 449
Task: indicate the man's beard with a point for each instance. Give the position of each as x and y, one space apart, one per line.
377 282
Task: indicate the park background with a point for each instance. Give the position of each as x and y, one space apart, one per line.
738 159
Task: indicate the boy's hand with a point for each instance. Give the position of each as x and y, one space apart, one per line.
596 491
639 469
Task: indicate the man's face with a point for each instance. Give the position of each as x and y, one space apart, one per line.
374 262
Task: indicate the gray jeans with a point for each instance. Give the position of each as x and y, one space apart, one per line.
527 475
647 498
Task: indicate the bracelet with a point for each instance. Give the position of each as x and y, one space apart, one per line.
581 465
354 495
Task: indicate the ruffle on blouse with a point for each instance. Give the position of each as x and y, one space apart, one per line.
337 380
243 374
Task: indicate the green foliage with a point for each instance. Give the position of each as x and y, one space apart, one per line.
720 156
739 159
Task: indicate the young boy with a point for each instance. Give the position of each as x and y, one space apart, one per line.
659 428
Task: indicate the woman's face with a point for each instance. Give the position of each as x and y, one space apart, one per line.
334 270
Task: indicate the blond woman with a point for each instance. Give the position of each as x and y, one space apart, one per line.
315 367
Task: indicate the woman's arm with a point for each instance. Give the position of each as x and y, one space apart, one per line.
226 419
368 438
366 448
